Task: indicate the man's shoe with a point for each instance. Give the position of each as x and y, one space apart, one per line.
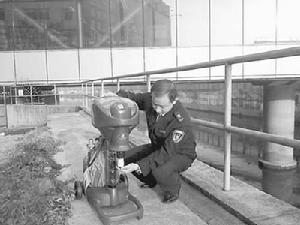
169 197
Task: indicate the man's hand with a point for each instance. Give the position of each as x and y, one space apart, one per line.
130 168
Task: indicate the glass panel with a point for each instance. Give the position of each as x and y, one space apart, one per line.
260 21
5 27
160 32
127 31
265 68
226 22
24 72
95 24
126 61
159 22
126 23
193 30
289 66
192 55
160 58
222 53
7 66
94 63
288 13
61 25
193 23
62 65
30 24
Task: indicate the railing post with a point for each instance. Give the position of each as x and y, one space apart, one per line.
16 95
31 98
10 95
102 88
3 89
93 89
55 100
5 107
118 84
227 122
148 80
82 93
86 95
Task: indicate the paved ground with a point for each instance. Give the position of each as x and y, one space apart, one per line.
250 204
243 167
246 202
74 131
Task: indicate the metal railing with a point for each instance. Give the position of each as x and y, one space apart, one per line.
10 95
226 126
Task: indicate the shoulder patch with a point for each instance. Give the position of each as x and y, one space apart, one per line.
178 136
178 116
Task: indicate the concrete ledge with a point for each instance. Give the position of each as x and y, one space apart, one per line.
26 115
22 115
246 202
249 204
61 109
74 132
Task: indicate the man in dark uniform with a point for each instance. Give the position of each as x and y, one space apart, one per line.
172 148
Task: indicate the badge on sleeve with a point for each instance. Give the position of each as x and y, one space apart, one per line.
177 136
179 116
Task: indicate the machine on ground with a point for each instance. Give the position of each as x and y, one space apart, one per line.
105 187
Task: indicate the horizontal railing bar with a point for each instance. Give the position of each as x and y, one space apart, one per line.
208 123
26 96
274 54
265 136
290 77
251 133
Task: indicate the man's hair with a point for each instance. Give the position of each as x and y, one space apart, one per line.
162 87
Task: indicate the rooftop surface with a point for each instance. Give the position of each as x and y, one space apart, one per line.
245 202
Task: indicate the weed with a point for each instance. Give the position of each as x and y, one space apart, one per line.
29 191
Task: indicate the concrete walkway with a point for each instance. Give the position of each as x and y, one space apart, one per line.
74 131
244 201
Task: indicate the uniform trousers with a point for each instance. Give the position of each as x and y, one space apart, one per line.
165 174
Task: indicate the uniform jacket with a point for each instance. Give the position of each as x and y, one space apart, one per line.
171 134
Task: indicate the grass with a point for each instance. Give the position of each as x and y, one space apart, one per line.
29 190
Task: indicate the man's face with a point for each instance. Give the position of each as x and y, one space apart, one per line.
162 104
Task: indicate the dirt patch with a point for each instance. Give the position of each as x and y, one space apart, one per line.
29 190
8 146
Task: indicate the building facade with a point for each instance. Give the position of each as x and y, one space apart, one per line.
34 25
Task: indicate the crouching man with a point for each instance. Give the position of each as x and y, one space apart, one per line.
172 148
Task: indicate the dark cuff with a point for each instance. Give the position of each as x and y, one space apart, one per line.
144 166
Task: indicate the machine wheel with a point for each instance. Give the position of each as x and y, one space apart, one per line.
78 188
